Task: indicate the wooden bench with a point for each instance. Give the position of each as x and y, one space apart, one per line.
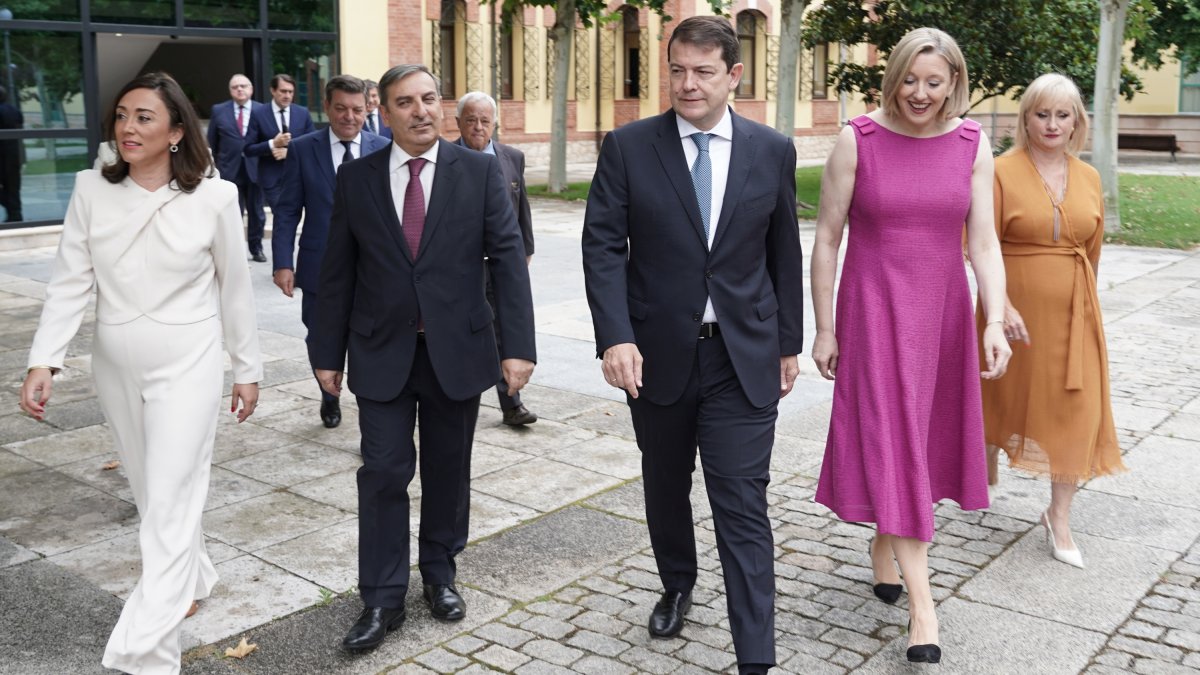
1154 142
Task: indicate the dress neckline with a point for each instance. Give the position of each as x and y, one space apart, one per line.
956 128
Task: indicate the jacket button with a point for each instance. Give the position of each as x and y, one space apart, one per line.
697 316
417 278
707 274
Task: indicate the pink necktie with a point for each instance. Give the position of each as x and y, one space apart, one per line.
241 129
414 206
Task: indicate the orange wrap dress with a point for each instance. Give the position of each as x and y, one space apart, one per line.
1051 411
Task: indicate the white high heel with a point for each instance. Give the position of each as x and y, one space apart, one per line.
1069 556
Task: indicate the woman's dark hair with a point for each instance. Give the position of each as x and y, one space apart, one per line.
193 162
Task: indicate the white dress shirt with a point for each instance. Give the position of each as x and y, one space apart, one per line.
720 146
287 116
337 151
399 171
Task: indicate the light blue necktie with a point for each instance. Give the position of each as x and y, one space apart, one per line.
702 179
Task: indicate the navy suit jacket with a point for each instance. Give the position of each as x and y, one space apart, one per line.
373 290
264 126
381 128
227 142
306 188
512 164
648 271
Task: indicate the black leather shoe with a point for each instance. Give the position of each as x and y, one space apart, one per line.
519 416
888 593
372 626
444 602
331 413
667 618
924 654
258 256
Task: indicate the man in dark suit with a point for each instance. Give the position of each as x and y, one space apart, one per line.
272 127
478 117
692 261
306 188
227 127
402 290
12 156
374 122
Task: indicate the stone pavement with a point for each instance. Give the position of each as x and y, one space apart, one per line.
558 574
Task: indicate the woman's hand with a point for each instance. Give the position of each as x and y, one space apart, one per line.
35 391
995 350
248 395
825 354
1014 325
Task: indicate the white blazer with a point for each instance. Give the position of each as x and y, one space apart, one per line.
174 257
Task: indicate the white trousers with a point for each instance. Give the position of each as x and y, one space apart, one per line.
160 388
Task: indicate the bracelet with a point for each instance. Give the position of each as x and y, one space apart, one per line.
52 369
993 321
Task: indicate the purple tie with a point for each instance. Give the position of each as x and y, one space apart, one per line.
414 206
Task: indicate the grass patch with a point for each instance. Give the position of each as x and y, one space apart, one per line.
1159 211
69 164
575 192
808 191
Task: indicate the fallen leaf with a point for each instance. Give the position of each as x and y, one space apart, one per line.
241 651
109 466
609 413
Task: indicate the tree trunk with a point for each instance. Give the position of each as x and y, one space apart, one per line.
560 34
786 79
1105 119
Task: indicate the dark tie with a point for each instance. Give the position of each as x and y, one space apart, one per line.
241 129
702 179
414 206
283 120
349 145
371 123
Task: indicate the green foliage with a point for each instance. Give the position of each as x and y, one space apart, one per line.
808 191
1006 43
1166 28
574 192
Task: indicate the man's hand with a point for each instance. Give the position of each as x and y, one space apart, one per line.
516 373
285 279
281 140
622 367
789 368
331 381
279 154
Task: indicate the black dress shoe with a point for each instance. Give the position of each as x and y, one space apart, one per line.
519 416
667 618
372 626
331 413
444 602
258 256
924 654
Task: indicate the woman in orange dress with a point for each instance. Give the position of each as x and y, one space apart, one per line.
1051 413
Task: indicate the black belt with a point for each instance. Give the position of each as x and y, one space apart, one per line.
708 330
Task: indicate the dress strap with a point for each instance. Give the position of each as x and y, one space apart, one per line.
864 124
969 130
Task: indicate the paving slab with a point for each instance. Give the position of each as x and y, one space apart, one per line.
53 621
543 484
337 489
292 464
327 557
609 455
272 518
1161 469
979 638
550 552
1026 579
57 513
12 553
11 464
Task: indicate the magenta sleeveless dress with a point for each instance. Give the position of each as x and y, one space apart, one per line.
907 424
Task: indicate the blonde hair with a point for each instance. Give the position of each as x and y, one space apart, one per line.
926 41
1046 90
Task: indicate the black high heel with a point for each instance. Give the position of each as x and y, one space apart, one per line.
888 593
923 653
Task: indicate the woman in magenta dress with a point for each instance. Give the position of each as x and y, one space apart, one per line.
907 427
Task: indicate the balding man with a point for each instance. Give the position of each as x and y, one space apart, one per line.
227 127
478 117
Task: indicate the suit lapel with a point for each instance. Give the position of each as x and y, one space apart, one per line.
325 159
741 158
380 187
669 148
445 178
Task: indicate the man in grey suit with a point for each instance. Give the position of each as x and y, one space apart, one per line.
478 117
692 265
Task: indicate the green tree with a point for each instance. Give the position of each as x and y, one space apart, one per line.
566 14
1006 43
1162 29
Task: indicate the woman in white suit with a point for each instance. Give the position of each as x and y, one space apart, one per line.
160 240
